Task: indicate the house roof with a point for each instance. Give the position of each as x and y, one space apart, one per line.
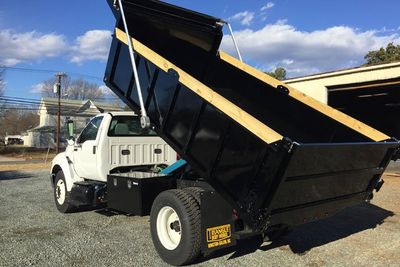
342 72
76 108
42 129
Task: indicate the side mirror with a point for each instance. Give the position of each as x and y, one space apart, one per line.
70 128
71 141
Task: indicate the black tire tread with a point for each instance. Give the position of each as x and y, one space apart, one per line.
195 192
193 209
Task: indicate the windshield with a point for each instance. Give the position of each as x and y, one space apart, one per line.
128 126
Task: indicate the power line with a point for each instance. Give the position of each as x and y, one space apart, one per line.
44 97
50 106
45 101
33 109
52 109
50 72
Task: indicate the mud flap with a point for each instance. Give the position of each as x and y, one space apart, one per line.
217 223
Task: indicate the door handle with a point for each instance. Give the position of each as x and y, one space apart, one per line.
125 152
158 151
76 148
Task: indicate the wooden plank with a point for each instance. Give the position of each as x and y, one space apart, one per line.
309 101
265 133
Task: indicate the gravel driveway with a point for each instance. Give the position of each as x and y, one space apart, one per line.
33 233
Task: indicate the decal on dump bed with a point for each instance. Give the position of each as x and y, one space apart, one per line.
219 236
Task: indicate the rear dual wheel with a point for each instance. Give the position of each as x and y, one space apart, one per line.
175 225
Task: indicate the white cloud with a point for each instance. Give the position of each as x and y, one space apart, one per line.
245 17
267 6
37 88
264 10
302 52
27 46
93 45
19 47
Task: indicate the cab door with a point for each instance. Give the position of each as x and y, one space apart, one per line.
85 150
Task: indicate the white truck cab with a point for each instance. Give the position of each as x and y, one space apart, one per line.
110 143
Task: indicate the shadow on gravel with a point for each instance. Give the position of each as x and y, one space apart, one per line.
308 236
14 175
100 209
345 223
110 213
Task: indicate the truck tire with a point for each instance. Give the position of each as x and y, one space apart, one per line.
61 195
175 224
195 192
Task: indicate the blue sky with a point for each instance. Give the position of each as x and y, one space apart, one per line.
305 37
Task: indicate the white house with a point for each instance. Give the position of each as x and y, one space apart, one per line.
44 135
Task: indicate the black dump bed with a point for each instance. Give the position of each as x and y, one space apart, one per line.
278 156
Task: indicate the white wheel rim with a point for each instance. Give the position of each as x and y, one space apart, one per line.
60 192
169 228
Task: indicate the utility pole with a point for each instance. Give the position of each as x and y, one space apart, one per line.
57 89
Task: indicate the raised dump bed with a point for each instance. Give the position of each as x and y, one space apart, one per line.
277 156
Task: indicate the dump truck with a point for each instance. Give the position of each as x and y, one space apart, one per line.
258 156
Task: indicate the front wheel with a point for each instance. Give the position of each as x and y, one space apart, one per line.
175 227
61 195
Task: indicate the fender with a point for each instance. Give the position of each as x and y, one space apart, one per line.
65 164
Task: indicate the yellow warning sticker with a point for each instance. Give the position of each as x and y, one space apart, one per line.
219 236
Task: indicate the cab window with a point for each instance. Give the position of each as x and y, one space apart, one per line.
128 126
91 130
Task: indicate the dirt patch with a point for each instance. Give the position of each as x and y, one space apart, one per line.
31 155
26 166
27 153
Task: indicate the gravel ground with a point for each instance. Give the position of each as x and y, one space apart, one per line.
33 233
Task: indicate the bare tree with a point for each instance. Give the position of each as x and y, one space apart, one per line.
82 90
47 87
2 84
26 120
79 89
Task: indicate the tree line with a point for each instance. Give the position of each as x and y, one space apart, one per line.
388 54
